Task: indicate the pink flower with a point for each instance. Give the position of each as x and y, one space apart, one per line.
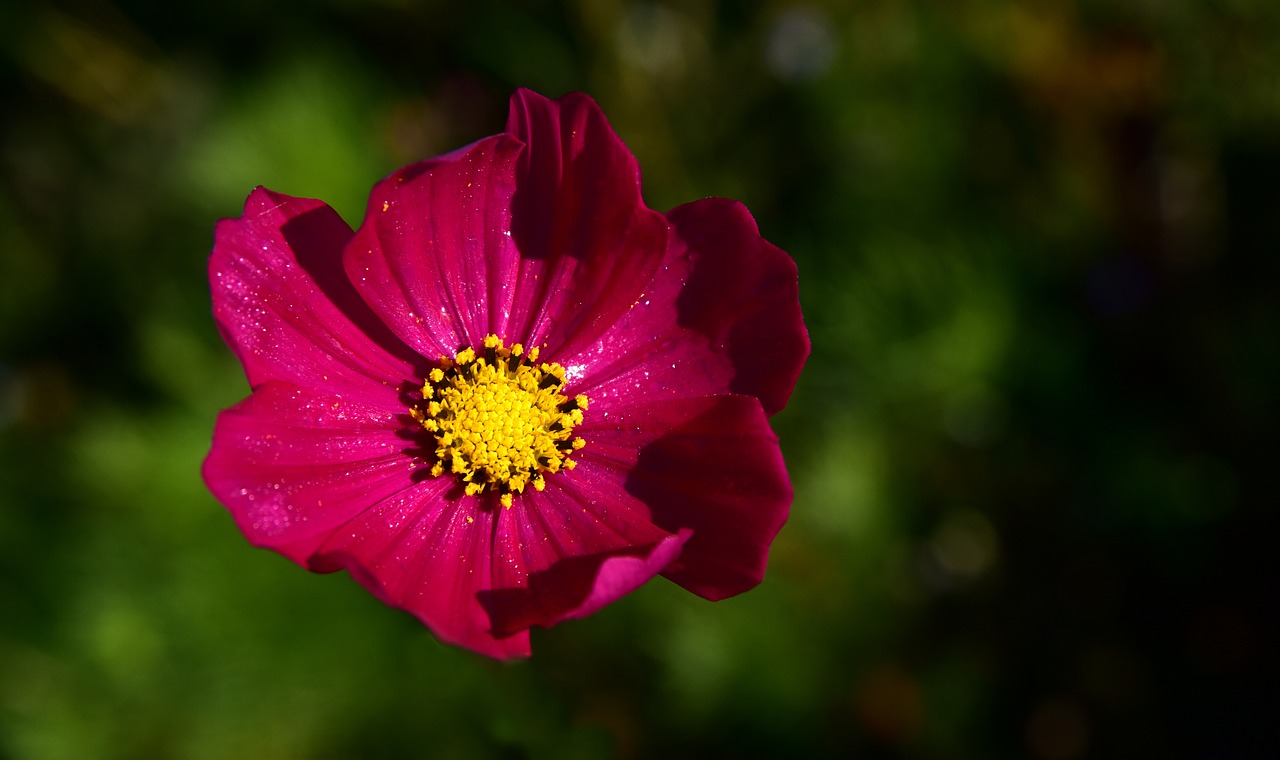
515 393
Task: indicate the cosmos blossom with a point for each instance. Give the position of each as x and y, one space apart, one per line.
515 393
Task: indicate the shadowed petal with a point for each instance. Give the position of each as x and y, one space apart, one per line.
711 465
588 244
434 257
721 316
570 550
429 554
282 303
622 573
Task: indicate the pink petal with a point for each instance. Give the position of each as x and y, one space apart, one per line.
588 244
620 574
572 549
434 257
292 465
430 555
708 464
722 316
332 484
284 306
539 236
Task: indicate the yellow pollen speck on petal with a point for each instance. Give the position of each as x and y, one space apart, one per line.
499 420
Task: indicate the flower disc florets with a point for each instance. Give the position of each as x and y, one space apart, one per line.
499 418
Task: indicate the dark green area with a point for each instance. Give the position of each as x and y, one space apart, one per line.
1034 450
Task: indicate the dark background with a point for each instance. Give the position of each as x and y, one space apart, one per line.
1034 449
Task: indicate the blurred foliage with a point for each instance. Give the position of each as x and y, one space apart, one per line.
1031 451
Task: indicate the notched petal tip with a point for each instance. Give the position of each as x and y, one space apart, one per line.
588 243
526 107
742 293
720 474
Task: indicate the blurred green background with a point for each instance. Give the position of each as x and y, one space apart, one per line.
1034 450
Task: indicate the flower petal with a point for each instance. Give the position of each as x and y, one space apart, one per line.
283 304
429 554
292 465
329 484
708 464
434 257
722 316
622 573
570 550
588 244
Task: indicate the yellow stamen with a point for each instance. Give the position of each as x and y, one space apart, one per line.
499 419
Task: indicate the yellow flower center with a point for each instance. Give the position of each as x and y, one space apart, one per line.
499 418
